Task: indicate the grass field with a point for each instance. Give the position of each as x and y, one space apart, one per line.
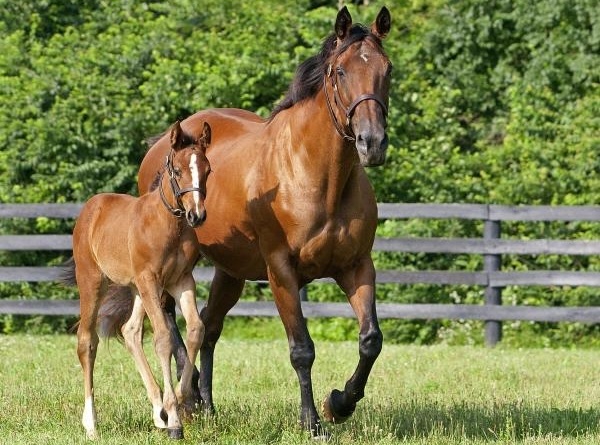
416 395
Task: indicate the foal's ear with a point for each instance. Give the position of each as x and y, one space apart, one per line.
204 139
177 137
382 24
343 22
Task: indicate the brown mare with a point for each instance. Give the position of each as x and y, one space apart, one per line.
147 243
290 202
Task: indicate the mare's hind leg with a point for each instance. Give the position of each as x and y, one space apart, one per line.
91 290
359 286
225 291
186 292
150 294
132 333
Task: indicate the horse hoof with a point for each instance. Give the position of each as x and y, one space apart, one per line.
333 411
175 433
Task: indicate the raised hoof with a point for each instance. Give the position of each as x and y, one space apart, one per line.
332 408
175 433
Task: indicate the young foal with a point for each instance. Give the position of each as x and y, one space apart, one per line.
147 243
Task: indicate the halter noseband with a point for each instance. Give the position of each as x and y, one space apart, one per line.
178 192
348 110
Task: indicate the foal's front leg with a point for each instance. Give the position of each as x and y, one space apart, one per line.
150 292
185 289
132 333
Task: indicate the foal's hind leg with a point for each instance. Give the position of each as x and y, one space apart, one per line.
91 290
359 286
132 333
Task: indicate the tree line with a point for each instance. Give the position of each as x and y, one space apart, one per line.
491 102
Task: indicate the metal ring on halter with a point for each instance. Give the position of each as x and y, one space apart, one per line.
348 111
178 211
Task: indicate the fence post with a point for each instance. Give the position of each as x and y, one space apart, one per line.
493 295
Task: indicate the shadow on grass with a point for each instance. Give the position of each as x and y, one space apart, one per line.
498 421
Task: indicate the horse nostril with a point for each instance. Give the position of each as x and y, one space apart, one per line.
202 216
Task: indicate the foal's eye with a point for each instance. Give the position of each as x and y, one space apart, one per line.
340 71
177 172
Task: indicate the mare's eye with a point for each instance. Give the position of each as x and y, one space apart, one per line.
177 172
340 71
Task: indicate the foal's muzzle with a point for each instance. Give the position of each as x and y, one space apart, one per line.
195 219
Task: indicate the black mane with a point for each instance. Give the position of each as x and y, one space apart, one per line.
309 76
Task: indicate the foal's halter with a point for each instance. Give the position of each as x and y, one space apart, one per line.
178 192
348 110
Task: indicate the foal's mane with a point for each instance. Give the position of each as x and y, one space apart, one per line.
309 76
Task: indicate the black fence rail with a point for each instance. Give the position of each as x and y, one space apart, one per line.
491 246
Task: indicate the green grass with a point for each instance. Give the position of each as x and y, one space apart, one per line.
416 395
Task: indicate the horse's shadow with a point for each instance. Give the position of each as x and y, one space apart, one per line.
514 421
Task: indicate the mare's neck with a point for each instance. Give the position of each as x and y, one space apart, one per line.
329 160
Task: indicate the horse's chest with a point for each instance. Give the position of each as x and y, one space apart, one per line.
331 249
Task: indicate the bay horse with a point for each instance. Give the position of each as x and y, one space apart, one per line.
290 202
149 244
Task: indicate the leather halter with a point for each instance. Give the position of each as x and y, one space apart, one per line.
348 110
178 192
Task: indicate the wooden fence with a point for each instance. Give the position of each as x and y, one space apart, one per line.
491 246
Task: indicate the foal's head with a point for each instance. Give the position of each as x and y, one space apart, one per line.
188 169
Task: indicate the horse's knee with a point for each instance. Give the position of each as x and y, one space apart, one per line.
370 343
302 355
195 334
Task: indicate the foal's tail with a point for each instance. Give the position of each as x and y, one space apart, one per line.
115 310
67 274
116 306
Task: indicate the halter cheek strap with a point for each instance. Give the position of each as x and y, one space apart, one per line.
348 110
178 192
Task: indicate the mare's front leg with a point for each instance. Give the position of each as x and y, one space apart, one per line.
302 349
225 291
359 286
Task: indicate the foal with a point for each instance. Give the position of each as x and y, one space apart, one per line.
149 244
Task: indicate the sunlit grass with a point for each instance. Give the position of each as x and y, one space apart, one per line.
416 395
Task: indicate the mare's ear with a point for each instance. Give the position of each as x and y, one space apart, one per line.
382 24
343 22
176 136
204 139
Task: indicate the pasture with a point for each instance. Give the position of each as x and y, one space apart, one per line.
416 395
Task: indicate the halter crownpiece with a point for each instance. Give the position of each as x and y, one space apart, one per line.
348 110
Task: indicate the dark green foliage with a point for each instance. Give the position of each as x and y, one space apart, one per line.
492 102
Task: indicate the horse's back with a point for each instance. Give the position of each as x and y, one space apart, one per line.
227 125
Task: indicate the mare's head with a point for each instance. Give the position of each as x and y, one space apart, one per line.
188 169
357 84
354 73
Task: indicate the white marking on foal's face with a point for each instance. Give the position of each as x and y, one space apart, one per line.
365 57
195 181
